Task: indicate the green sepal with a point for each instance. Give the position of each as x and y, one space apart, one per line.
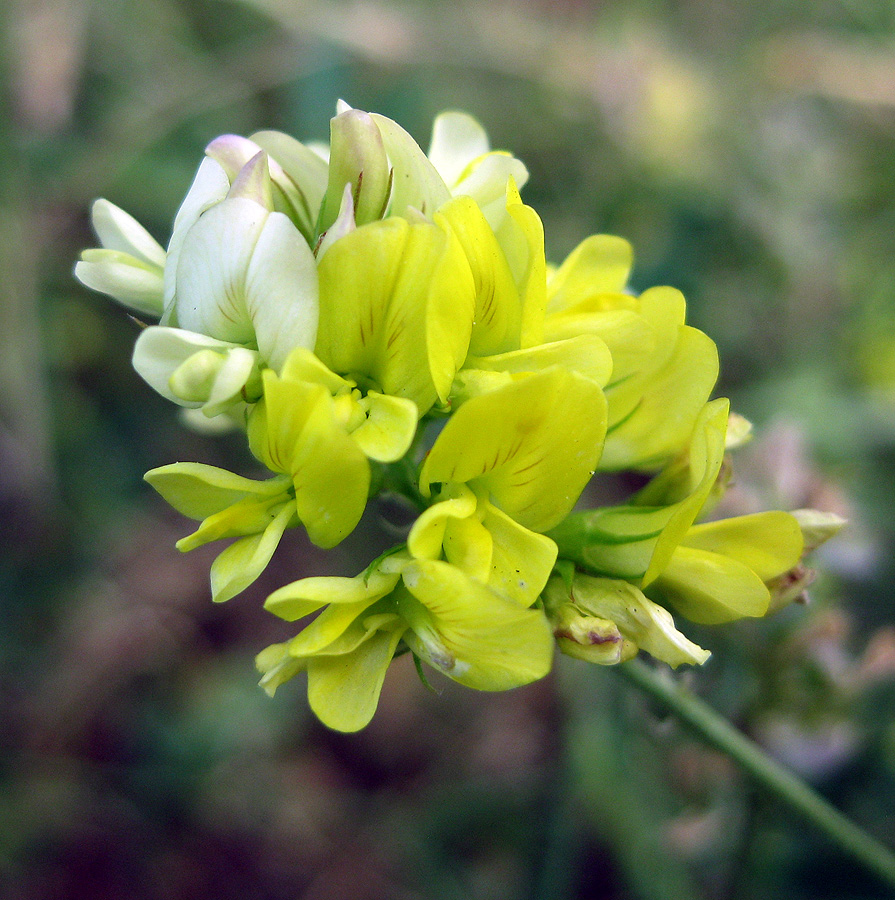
580 617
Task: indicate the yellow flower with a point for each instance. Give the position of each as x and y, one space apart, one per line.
720 571
464 629
663 370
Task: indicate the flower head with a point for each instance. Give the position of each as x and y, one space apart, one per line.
382 320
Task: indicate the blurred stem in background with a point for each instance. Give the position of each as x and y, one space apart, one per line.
772 777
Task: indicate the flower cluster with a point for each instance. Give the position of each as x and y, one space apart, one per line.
375 317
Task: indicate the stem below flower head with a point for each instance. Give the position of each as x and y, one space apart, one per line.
719 733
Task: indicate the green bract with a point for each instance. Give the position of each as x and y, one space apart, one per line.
383 321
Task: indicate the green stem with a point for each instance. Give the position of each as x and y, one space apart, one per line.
719 733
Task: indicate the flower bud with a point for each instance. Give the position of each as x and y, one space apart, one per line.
817 526
584 612
357 158
589 638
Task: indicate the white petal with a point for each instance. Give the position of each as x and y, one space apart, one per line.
247 276
210 186
281 291
212 268
232 152
159 351
239 366
457 139
118 230
487 181
123 277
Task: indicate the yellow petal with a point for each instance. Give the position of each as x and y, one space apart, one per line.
357 278
600 264
301 598
397 306
635 541
426 537
668 407
331 633
388 429
471 633
769 543
532 444
277 667
244 560
521 235
709 588
295 430
247 517
585 354
630 339
521 560
343 690
199 491
468 545
498 309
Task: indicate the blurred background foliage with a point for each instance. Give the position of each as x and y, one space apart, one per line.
748 152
